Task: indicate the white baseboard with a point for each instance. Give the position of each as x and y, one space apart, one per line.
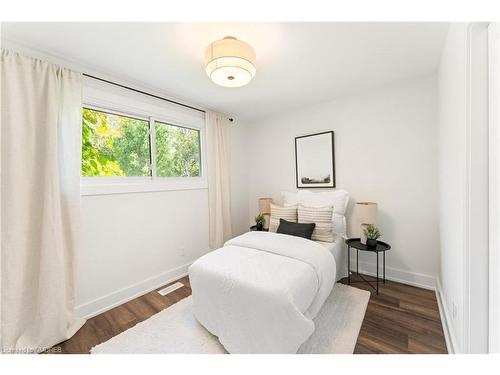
444 312
107 302
401 276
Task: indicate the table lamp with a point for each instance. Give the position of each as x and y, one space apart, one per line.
365 213
265 210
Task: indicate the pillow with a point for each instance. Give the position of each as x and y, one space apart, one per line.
322 218
289 199
336 198
295 229
279 212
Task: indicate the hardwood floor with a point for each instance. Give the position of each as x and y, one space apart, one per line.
401 319
110 323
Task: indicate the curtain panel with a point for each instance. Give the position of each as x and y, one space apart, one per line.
218 146
40 202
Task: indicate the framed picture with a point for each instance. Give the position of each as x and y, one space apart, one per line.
315 160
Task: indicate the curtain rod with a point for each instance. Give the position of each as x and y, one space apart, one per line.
143 92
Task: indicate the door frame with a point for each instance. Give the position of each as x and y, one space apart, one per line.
494 186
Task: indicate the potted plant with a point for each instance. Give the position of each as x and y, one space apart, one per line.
259 221
372 234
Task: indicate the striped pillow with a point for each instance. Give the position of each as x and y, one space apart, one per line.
285 213
322 217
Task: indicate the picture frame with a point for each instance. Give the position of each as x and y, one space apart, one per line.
315 160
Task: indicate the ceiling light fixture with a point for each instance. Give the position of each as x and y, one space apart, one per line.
230 62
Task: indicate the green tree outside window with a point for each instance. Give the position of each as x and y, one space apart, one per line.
114 145
177 151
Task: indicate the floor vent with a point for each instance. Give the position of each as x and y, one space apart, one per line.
170 288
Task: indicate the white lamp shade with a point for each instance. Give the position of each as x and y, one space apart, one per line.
230 62
364 213
265 206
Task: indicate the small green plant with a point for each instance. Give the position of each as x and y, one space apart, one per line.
372 232
259 219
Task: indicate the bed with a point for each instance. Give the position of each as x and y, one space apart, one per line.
260 292
337 249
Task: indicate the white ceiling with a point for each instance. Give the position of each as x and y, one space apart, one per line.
297 63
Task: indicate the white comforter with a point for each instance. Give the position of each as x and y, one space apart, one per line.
260 292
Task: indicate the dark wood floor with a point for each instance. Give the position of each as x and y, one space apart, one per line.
110 323
401 319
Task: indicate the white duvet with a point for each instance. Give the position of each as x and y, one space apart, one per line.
260 292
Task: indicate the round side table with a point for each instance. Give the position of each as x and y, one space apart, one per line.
254 228
355 243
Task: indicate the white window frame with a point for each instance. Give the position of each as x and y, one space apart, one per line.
128 105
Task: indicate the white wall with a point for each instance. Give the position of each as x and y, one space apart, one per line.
135 242
385 151
463 181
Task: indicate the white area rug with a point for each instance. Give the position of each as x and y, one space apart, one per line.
175 329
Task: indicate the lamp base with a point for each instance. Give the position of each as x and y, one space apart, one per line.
267 220
362 237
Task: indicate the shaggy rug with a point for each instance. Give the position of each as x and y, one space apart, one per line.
175 329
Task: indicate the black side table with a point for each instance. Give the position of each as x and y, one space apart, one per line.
382 247
254 228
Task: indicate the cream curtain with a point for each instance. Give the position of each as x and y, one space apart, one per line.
218 143
40 201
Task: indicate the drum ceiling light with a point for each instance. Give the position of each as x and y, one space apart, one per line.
230 62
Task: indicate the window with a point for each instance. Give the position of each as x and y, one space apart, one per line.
177 151
116 145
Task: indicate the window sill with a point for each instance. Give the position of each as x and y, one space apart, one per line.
108 186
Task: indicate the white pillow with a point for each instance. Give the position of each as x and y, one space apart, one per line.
288 213
322 217
289 199
337 198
